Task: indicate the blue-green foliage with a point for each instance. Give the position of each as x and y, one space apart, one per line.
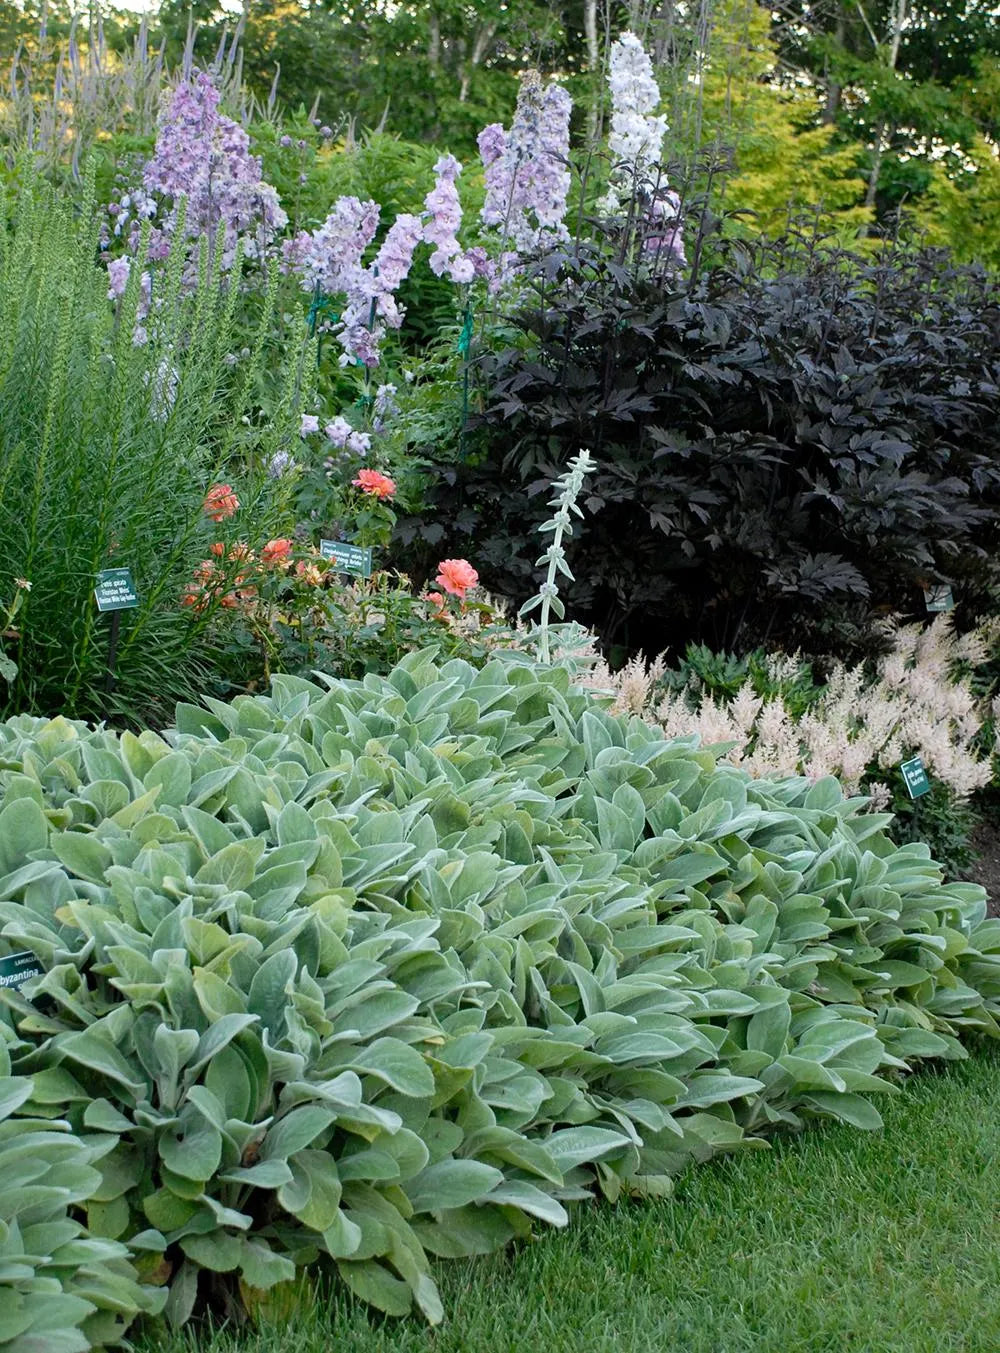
363 973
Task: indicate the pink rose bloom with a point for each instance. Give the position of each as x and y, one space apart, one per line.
456 576
308 573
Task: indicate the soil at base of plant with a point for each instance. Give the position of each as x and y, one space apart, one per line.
985 841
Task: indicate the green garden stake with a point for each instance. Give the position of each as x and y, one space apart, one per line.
320 307
464 348
465 337
114 592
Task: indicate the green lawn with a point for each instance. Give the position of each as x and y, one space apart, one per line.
835 1240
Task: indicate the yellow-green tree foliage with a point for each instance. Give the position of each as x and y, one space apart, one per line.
786 162
961 207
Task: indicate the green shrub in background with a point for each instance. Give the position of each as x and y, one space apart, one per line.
113 425
363 973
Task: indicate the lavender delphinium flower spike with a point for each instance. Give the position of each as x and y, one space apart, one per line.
441 231
527 171
204 156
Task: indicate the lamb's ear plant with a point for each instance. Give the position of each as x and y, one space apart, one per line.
61 1290
362 974
546 600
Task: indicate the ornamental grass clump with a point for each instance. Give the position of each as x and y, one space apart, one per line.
360 975
123 443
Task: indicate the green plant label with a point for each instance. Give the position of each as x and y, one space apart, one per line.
115 590
939 598
348 558
915 777
15 969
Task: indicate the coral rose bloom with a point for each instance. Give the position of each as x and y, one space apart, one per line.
456 576
374 482
194 596
220 502
308 573
276 551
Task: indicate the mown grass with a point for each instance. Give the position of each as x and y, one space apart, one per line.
835 1241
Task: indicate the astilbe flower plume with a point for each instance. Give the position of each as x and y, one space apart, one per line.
858 727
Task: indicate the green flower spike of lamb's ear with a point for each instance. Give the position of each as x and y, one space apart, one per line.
569 487
393 971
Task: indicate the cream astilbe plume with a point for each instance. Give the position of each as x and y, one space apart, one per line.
777 750
782 667
634 684
879 796
913 704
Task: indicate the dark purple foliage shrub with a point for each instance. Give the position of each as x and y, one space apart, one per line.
790 442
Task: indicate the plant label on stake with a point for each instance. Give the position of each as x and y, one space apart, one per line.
114 592
915 777
348 558
15 969
939 598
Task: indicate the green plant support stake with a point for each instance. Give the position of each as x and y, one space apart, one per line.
464 348
320 307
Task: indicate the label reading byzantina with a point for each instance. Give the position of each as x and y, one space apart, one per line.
348 558
15 969
915 777
115 590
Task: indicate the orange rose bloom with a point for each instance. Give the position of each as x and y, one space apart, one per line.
276 551
220 502
308 573
374 482
456 576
